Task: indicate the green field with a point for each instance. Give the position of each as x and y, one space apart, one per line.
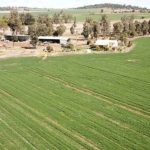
77 102
82 14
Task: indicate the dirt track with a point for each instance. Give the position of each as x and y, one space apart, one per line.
4 54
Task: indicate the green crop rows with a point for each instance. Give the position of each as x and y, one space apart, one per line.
77 102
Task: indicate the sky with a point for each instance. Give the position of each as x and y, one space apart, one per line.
69 3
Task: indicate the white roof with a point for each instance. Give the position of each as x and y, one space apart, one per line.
106 42
52 38
21 35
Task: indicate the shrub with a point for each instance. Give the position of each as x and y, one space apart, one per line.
71 47
129 44
72 30
98 48
49 49
89 42
92 46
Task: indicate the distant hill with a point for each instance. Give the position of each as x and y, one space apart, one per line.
112 6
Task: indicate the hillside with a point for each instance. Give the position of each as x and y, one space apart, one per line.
112 6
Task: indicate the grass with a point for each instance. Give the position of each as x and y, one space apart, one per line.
77 102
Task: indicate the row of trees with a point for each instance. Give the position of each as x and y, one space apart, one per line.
40 26
16 21
131 28
44 26
112 6
127 27
93 29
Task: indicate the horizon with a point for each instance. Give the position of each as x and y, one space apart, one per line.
70 4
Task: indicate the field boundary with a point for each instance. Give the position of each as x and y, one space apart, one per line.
6 54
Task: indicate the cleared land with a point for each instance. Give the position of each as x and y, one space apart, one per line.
77 102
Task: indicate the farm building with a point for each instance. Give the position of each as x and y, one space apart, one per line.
108 43
17 38
53 39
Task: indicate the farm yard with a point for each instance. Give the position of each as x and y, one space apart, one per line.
98 102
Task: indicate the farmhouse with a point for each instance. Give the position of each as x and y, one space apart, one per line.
53 39
107 43
19 38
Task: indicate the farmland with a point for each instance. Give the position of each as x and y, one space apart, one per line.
82 14
77 102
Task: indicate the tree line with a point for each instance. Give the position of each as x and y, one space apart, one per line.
112 6
43 25
125 28
37 26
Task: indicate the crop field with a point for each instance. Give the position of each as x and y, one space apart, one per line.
95 102
82 14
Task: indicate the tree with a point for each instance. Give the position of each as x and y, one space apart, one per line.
29 19
102 10
138 28
145 27
75 22
128 25
96 29
117 28
105 25
40 29
32 31
22 18
125 22
45 19
50 29
34 40
22 30
3 24
46 22
59 30
87 30
72 29
132 29
123 38
91 28
149 26
131 19
14 23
